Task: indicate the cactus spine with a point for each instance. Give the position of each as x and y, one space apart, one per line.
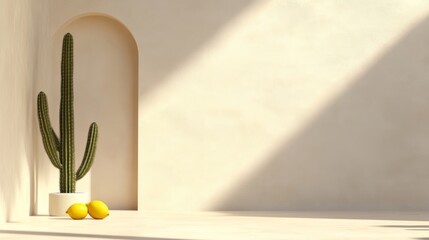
61 150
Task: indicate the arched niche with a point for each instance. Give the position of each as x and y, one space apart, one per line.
106 92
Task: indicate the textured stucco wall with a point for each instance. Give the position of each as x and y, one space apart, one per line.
290 105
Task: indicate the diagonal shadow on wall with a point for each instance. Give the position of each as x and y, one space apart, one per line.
368 150
175 30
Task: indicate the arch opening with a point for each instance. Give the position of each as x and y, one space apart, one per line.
106 92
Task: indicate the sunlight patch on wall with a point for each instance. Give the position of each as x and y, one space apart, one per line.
258 82
330 66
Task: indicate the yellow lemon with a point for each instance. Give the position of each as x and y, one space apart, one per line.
98 209
77 211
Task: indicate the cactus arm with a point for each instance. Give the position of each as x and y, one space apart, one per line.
48 135
67 174
88 158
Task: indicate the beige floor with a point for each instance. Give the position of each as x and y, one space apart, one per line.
226 225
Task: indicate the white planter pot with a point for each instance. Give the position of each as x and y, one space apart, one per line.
60 202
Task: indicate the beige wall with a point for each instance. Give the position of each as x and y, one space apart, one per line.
270 104
293 105
22 25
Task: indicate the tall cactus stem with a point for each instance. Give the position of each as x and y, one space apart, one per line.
67 117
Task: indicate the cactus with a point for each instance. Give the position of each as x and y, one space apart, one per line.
61 150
